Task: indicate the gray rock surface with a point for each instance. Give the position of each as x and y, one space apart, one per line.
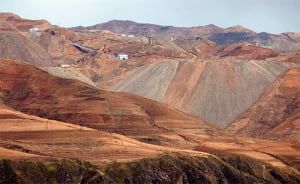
68 73
16 46
216 91
149 81
225 92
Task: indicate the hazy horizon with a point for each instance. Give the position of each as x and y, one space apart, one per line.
273 16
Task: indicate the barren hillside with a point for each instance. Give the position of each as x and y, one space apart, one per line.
276 113
35 92
21 24
217 91
15 46
94 111
222 36
50 126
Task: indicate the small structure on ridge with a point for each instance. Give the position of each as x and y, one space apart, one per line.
123 56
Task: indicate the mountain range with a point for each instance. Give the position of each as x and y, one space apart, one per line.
223 36
180 110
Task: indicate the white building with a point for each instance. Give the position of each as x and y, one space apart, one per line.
123 56
64 65
34 29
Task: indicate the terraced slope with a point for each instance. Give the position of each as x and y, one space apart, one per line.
217 91
96 112
32 91
26 136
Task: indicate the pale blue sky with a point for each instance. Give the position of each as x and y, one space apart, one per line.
274 16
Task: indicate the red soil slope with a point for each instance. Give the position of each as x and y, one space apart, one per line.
33 91
30 90
34 138
23 25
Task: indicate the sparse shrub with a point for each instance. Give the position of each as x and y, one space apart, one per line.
64 171
33 172
167 168
174 168
52 173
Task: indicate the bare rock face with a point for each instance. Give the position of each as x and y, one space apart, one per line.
217 91
276 114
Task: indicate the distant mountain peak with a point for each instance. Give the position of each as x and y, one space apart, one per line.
212 26
240 28
120 21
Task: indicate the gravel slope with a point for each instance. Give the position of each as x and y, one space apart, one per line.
216 91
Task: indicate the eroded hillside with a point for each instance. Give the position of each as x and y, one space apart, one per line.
67 118
276 113
217 91
33 91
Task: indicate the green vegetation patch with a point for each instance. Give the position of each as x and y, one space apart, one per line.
7 173
178 168
167 168
53 172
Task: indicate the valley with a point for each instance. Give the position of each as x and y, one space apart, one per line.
175 107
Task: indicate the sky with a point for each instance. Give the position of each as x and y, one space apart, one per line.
273 16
